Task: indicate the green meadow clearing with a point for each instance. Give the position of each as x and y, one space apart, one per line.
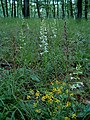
44 69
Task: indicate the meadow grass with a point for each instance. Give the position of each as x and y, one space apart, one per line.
40 61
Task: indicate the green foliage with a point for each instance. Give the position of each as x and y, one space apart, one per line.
40 61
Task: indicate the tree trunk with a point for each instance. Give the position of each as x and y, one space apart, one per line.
79 8
18 3
53 9
71 9
14 9
26 8
47 8
57 9
86 9
63 12
6 8
38 8
3 8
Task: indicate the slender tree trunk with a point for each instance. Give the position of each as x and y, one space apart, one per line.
86 9
18 2
53 9
6 8
38 9
71 9
79 8
9 8
57 9
63 12
14 9
47 11
3 8
47 8
26 8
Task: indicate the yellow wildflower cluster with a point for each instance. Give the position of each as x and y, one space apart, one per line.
71 94
48 96
28 97
58 107
44 98
68 104
67 91
56 100
31 92
51 83
67 118
38 110
54 89
50 100
74 116
58 90
34 105
64 83
37 94
57 82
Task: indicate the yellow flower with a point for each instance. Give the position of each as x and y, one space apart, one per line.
68 104
51 83
66 91
51 93
57 82
47 96
67 118
43 98
31 92
63 83
55 110
74 116
38 110
58 107
71 94
54 89
37 94
34 105
50 101
28 97
59 91
57 100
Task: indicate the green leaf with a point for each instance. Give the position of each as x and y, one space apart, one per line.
1 114
7 118
34 78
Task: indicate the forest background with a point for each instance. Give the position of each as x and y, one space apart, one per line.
45 8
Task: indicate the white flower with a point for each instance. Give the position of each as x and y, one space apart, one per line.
41 32
40 45
45 51
70 74
27 26
46 44
43 41
72 78
77 85
20 47
55 36
41 53
24 43
43 38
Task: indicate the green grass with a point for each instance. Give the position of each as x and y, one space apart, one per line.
34 84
